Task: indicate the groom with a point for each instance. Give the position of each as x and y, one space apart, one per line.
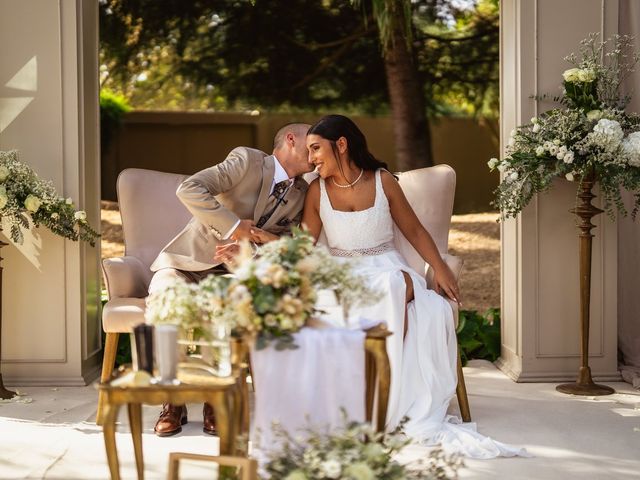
247 194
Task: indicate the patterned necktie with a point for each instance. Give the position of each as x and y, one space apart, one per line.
276 197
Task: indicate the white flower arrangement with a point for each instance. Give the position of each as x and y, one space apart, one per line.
202 308
590 137
270 296
356 452
23 194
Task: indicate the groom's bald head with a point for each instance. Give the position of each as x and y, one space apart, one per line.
298 130
290 148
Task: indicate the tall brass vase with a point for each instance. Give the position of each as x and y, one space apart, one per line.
585 211
4 393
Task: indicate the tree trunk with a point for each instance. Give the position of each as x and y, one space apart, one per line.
410 124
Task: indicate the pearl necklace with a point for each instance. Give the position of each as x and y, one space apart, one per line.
348 184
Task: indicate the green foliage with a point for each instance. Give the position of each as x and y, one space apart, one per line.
113 106
479 335
296 55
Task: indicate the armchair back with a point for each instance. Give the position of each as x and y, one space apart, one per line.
151 212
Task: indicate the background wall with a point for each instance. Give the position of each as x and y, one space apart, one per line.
185 142
49 112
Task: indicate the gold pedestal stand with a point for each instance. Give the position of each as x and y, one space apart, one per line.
585 211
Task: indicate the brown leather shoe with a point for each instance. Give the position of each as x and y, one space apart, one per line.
171 420
208 420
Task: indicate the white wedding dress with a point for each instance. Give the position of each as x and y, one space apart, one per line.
423 364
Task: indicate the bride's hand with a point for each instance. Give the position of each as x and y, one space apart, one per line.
445 282
261 236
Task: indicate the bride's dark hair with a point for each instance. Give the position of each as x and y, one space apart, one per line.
332 127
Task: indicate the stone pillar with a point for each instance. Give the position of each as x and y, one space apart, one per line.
539 264
629 230
49 112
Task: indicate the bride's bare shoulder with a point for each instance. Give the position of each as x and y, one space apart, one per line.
389 182
313 192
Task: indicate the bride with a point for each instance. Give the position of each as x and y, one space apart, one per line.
356 200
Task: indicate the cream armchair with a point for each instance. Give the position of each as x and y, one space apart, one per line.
430 192
151 216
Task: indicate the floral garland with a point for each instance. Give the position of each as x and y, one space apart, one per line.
592 137
24 195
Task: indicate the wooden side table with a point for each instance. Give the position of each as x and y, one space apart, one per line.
226 395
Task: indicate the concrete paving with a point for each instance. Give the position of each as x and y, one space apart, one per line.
54 436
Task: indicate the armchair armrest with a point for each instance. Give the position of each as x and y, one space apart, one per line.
454 263
125 277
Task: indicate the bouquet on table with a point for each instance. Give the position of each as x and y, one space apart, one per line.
24 196
590 137
270 295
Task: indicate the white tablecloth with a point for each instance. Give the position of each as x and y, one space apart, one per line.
308 386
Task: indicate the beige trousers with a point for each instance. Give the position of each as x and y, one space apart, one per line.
166 276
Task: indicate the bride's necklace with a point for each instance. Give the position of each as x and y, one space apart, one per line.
348 184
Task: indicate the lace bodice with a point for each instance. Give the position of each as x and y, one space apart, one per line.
359 230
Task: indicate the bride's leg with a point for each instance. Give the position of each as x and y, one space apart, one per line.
409 296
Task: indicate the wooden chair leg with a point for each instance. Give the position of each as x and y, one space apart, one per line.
108 363
461 392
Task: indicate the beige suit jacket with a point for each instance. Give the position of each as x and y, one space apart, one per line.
219 196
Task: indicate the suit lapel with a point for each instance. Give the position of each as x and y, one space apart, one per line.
268 171
292 198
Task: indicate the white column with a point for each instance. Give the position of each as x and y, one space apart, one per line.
629 230
51 316
539 264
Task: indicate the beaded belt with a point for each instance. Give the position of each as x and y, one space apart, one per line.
363 252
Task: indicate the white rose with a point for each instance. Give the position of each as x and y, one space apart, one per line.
4 173
331 468
536 128
594 115
547 145
569 176
540 151
586 75
571 75
286 324
534 119
32 203
568 158
553 149
493 163
562 151
54 216
80 215
556 141
69 201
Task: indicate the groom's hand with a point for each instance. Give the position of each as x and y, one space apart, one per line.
243 230
226 253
